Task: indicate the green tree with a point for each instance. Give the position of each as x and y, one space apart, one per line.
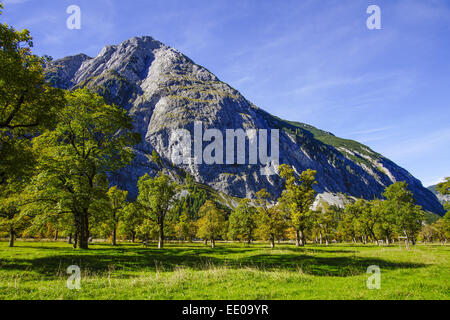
156 196
348 226
385 220
117 201
12 219
446 225
91 139
357 219
211 225
442 228
147 229
192 202
28 104
186 228
270 220
298 198
428 233
444 187
242 222
327 221
369 218
400 204
131 219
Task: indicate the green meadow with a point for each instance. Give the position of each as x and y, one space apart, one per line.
38 270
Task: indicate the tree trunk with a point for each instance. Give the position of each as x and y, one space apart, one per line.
272 242
302 238
84 231
321 238
213 243
297 238
407 238
56 235
70 239
249 240
387 241
114 235
75 240
375 238
133 237
161 236
205 241
12 235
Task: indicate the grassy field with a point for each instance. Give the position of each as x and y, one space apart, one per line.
37 270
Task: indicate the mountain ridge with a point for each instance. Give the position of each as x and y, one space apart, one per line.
164 90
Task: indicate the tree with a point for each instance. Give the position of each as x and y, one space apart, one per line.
186 228
12 220
211 225
242 221
427 233
385 220
28 104
193 200
442 228
444 187
348 226
270 220
298 198
357 216
156 195
400 204
91 139
446 225
116 204
327 221
132 217
369 218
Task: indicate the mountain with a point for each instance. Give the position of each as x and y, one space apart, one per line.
441 198
163 90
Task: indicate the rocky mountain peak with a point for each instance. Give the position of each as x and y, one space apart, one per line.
164 91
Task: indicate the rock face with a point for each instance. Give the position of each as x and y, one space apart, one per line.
164 91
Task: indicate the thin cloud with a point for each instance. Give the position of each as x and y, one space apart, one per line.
424 146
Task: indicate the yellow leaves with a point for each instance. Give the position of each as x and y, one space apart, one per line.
212 221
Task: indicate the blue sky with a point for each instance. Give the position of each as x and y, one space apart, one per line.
310 61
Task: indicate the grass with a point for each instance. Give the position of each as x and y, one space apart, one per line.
37 270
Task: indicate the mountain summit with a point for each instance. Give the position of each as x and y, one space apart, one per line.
164 91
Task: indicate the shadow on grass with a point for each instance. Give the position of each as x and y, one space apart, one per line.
128 260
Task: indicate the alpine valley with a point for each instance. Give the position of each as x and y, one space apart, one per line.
163 90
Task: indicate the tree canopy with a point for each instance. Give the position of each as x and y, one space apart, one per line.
91 138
